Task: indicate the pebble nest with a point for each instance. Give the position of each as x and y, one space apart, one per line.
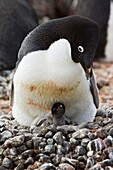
85 146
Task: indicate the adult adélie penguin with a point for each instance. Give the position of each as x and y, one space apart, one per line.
55 66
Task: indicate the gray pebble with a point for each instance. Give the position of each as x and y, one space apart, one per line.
49 134
6 135
67 146
85 141
90 163
90 153
10 151
96 145
36 141
57 159
58 137
47 166
66 166
44 158
42 144
50 141
28 153
7 163
52 128
73 142
80 150
15 141
82 133
49 149
61 150
29 161
73 162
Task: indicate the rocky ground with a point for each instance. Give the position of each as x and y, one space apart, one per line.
87 146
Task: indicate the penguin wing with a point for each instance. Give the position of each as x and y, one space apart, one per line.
93 89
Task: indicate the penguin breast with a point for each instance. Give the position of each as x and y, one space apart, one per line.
48 76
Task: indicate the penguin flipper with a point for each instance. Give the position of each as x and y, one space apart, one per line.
93 89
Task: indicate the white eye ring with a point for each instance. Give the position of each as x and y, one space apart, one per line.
80 49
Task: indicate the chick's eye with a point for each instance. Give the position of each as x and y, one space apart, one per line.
80 49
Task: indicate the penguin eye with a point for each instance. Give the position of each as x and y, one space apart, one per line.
80 49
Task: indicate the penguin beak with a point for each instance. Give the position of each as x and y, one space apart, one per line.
86 69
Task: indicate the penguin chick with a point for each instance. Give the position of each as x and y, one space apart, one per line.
54 65
58 110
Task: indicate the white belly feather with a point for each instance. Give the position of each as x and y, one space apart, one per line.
40 81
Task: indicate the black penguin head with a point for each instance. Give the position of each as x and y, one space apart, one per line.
58 111
82 34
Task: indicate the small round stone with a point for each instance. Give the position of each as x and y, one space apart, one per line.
80 150
7 163
73 142
36 141
15 141
49 149
96 145
50 141
49 134
72 162
47 166
42 144
61 150
85 141
28 153
57 159
29 161
82 158
66 166
102 133
90 163
44 158
58 137
6 135
82 133
90 153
